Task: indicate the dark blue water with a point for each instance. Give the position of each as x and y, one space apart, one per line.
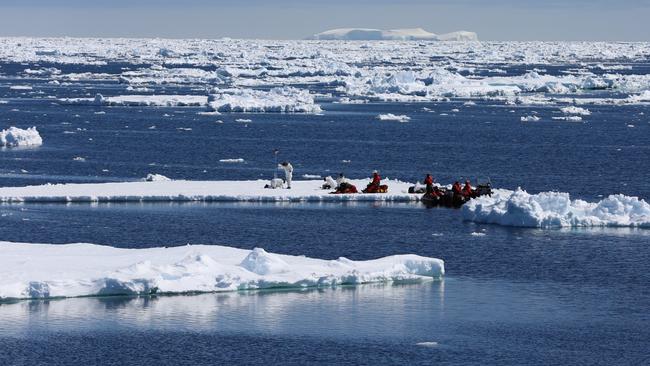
511 296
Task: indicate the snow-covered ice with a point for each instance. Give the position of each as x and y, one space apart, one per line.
183 190
141 100
575 110
49 270
393 117
286 99
152 177
530 118
14 136
555 209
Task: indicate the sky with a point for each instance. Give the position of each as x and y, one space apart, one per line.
606 20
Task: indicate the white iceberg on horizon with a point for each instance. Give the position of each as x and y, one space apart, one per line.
408 34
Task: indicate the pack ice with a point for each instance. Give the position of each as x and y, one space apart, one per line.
556 209
47 270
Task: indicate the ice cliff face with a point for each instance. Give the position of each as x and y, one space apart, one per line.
411 34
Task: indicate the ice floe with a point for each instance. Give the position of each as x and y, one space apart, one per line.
575 110
14 137
285 99
50 271
141 100
393 117
184 190
555 209
530 118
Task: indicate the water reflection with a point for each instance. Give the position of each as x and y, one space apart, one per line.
371 310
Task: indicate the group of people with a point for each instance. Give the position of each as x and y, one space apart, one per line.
456 188
343 185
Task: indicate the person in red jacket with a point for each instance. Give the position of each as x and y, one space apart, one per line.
376 179
428 180
467 190
456 188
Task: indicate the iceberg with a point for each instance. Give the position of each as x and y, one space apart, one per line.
410 34
556 209
14 137
29 271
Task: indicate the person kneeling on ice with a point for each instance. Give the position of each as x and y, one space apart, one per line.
341 179
288 172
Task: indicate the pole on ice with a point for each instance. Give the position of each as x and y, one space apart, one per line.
275 166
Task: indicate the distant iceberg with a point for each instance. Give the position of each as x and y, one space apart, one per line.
410 34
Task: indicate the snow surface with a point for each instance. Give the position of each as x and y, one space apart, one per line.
411 34
555 209
182 190
49 270
14 136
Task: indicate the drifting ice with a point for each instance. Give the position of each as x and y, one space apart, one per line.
554 209
393 117
286 99
14 136
46 270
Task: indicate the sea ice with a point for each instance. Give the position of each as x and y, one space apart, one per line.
14 136
51 270
182 190
285 99
393 117
555 209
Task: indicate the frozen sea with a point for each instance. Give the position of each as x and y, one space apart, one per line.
510 295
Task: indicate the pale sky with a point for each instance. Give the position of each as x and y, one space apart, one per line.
624 20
